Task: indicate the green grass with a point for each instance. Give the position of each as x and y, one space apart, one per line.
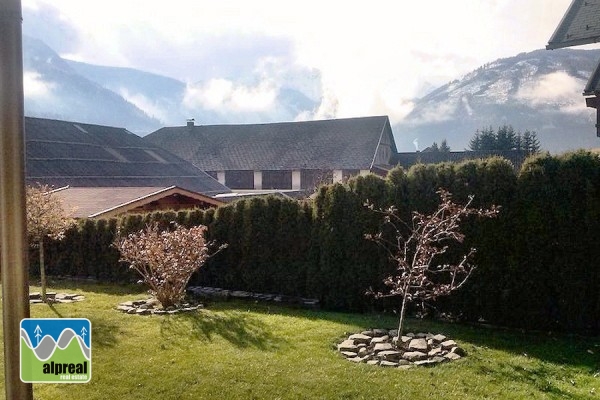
243 350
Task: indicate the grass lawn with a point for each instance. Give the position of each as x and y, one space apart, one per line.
243 350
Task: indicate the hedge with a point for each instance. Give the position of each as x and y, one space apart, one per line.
537 263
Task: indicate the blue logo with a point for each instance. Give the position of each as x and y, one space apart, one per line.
56 350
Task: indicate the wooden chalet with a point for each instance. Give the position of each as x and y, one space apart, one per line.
581 25
107 202
62 153
286 156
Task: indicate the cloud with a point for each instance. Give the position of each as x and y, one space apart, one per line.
554 88
371 59
225 96
150 107
35 87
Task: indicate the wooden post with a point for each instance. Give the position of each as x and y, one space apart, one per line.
13 232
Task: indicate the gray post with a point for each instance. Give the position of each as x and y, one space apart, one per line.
13 233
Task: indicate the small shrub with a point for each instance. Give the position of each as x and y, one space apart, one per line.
166 259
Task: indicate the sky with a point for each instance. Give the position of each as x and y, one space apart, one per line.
371 58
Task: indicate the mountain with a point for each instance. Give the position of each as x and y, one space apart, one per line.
53 89
143 102
538 91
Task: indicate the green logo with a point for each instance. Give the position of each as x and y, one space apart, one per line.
56 350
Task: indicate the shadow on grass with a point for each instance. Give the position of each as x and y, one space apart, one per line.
556 348
110 288
236 327
104 332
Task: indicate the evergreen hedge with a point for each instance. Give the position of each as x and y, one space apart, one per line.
537 263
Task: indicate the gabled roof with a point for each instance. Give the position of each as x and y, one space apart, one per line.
349 143
580 25
105 202
61 153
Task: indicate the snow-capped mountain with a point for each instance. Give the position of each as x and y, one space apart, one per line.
143 102
538 91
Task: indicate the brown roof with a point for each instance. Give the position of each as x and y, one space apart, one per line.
105 202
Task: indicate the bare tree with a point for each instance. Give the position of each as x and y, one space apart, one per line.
416 248
46 218
166 259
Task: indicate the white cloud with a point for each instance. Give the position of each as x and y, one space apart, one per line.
223 96
145 104
35 87
554 88
372 58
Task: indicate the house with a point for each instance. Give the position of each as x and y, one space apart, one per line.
63 153
287 155
581 25
107 202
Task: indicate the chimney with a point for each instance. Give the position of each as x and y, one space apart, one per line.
190 122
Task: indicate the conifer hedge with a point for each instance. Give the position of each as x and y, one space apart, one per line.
537 263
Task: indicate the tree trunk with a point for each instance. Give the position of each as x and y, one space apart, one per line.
42 271
402 312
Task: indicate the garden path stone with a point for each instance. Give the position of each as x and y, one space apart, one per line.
418 345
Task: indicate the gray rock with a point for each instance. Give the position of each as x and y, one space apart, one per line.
380 339
414 356
393 332
360 338
439 338
402 361
388 364
435 351
390 355
382 347
358 359
347 345
363 352
367 333
452 356
380 332
350 354
373 362
418 345
448 344
458 350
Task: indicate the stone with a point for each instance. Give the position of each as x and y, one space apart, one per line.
363 352
349 353
435 351
127 303
421 335
426 362
452 356
382 347
380 339
347 345
439 338
402 361
358 359
373 362
124 308
418 345
393 332
390 355
360 338
448 344
414 356
367 333
380 332
388 364
458 350
439 359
